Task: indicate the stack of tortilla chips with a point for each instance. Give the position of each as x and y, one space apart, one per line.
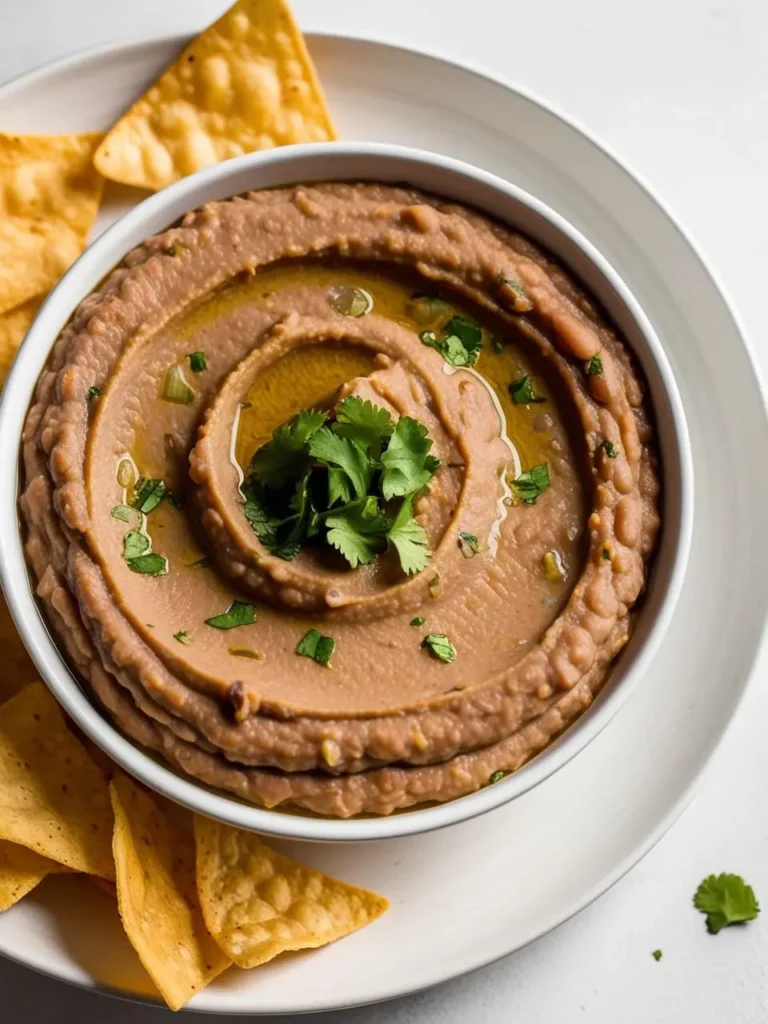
194 896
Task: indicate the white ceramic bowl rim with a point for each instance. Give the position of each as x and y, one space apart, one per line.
281 166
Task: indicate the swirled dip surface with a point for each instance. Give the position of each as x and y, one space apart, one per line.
179 368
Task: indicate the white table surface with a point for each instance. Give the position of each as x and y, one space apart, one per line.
679 88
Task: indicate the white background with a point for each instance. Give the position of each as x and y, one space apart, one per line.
679 89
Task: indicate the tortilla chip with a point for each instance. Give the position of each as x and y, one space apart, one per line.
13 326
49 196
258 903
20 871
155 864
53 798
246 83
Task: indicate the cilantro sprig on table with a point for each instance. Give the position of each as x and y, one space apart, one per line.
348 482
726 900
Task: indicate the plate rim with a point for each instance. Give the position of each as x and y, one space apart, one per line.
66 62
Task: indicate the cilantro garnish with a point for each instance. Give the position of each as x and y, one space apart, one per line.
316 646
726 900
496 776
657 955
150 564
461 342
183 636
91 393
148 494
418 621
134 544
469 544
440 646
197 362
239 613
126 514
610 449
521 391
348 481
593 367
532 483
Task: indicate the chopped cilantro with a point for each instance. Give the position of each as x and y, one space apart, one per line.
531 483
726 900
316 646
606 554
175 387
461 343
469 544
239 613
440 646
657 955
149 564
496 776
148 494
326 480
521 391
134 544
418 621
183 636
593 367
610 449
92 392
126 514
197 362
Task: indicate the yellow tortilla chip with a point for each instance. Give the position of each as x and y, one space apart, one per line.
246 83
20 871
53 798
154 854
258 903
13 326
49 196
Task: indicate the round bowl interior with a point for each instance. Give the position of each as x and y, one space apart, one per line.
446 177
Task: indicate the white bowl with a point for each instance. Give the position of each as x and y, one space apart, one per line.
446 177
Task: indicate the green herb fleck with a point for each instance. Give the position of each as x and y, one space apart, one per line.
175 387
126 514
440 646
657 955
91 393
497 344
148 494
531 483
496 776
239 613
316 646
134 544
418 621
610 449
461 343
183 636
593 367
726 900
197 362
469 544
149 565
521 391
606 554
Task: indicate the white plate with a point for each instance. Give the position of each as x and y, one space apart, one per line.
466 896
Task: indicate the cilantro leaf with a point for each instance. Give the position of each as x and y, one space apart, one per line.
531 483
610 449
363 421
408 467
267 529
418 621
126 514
461 344
343 453
593 367
284 458
197 362
134 544
357 531
496 776
440 646
338 487
409 540
316 646
726 900
149 564
521 391
239 613
92 392
148 494
183 636
468 544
